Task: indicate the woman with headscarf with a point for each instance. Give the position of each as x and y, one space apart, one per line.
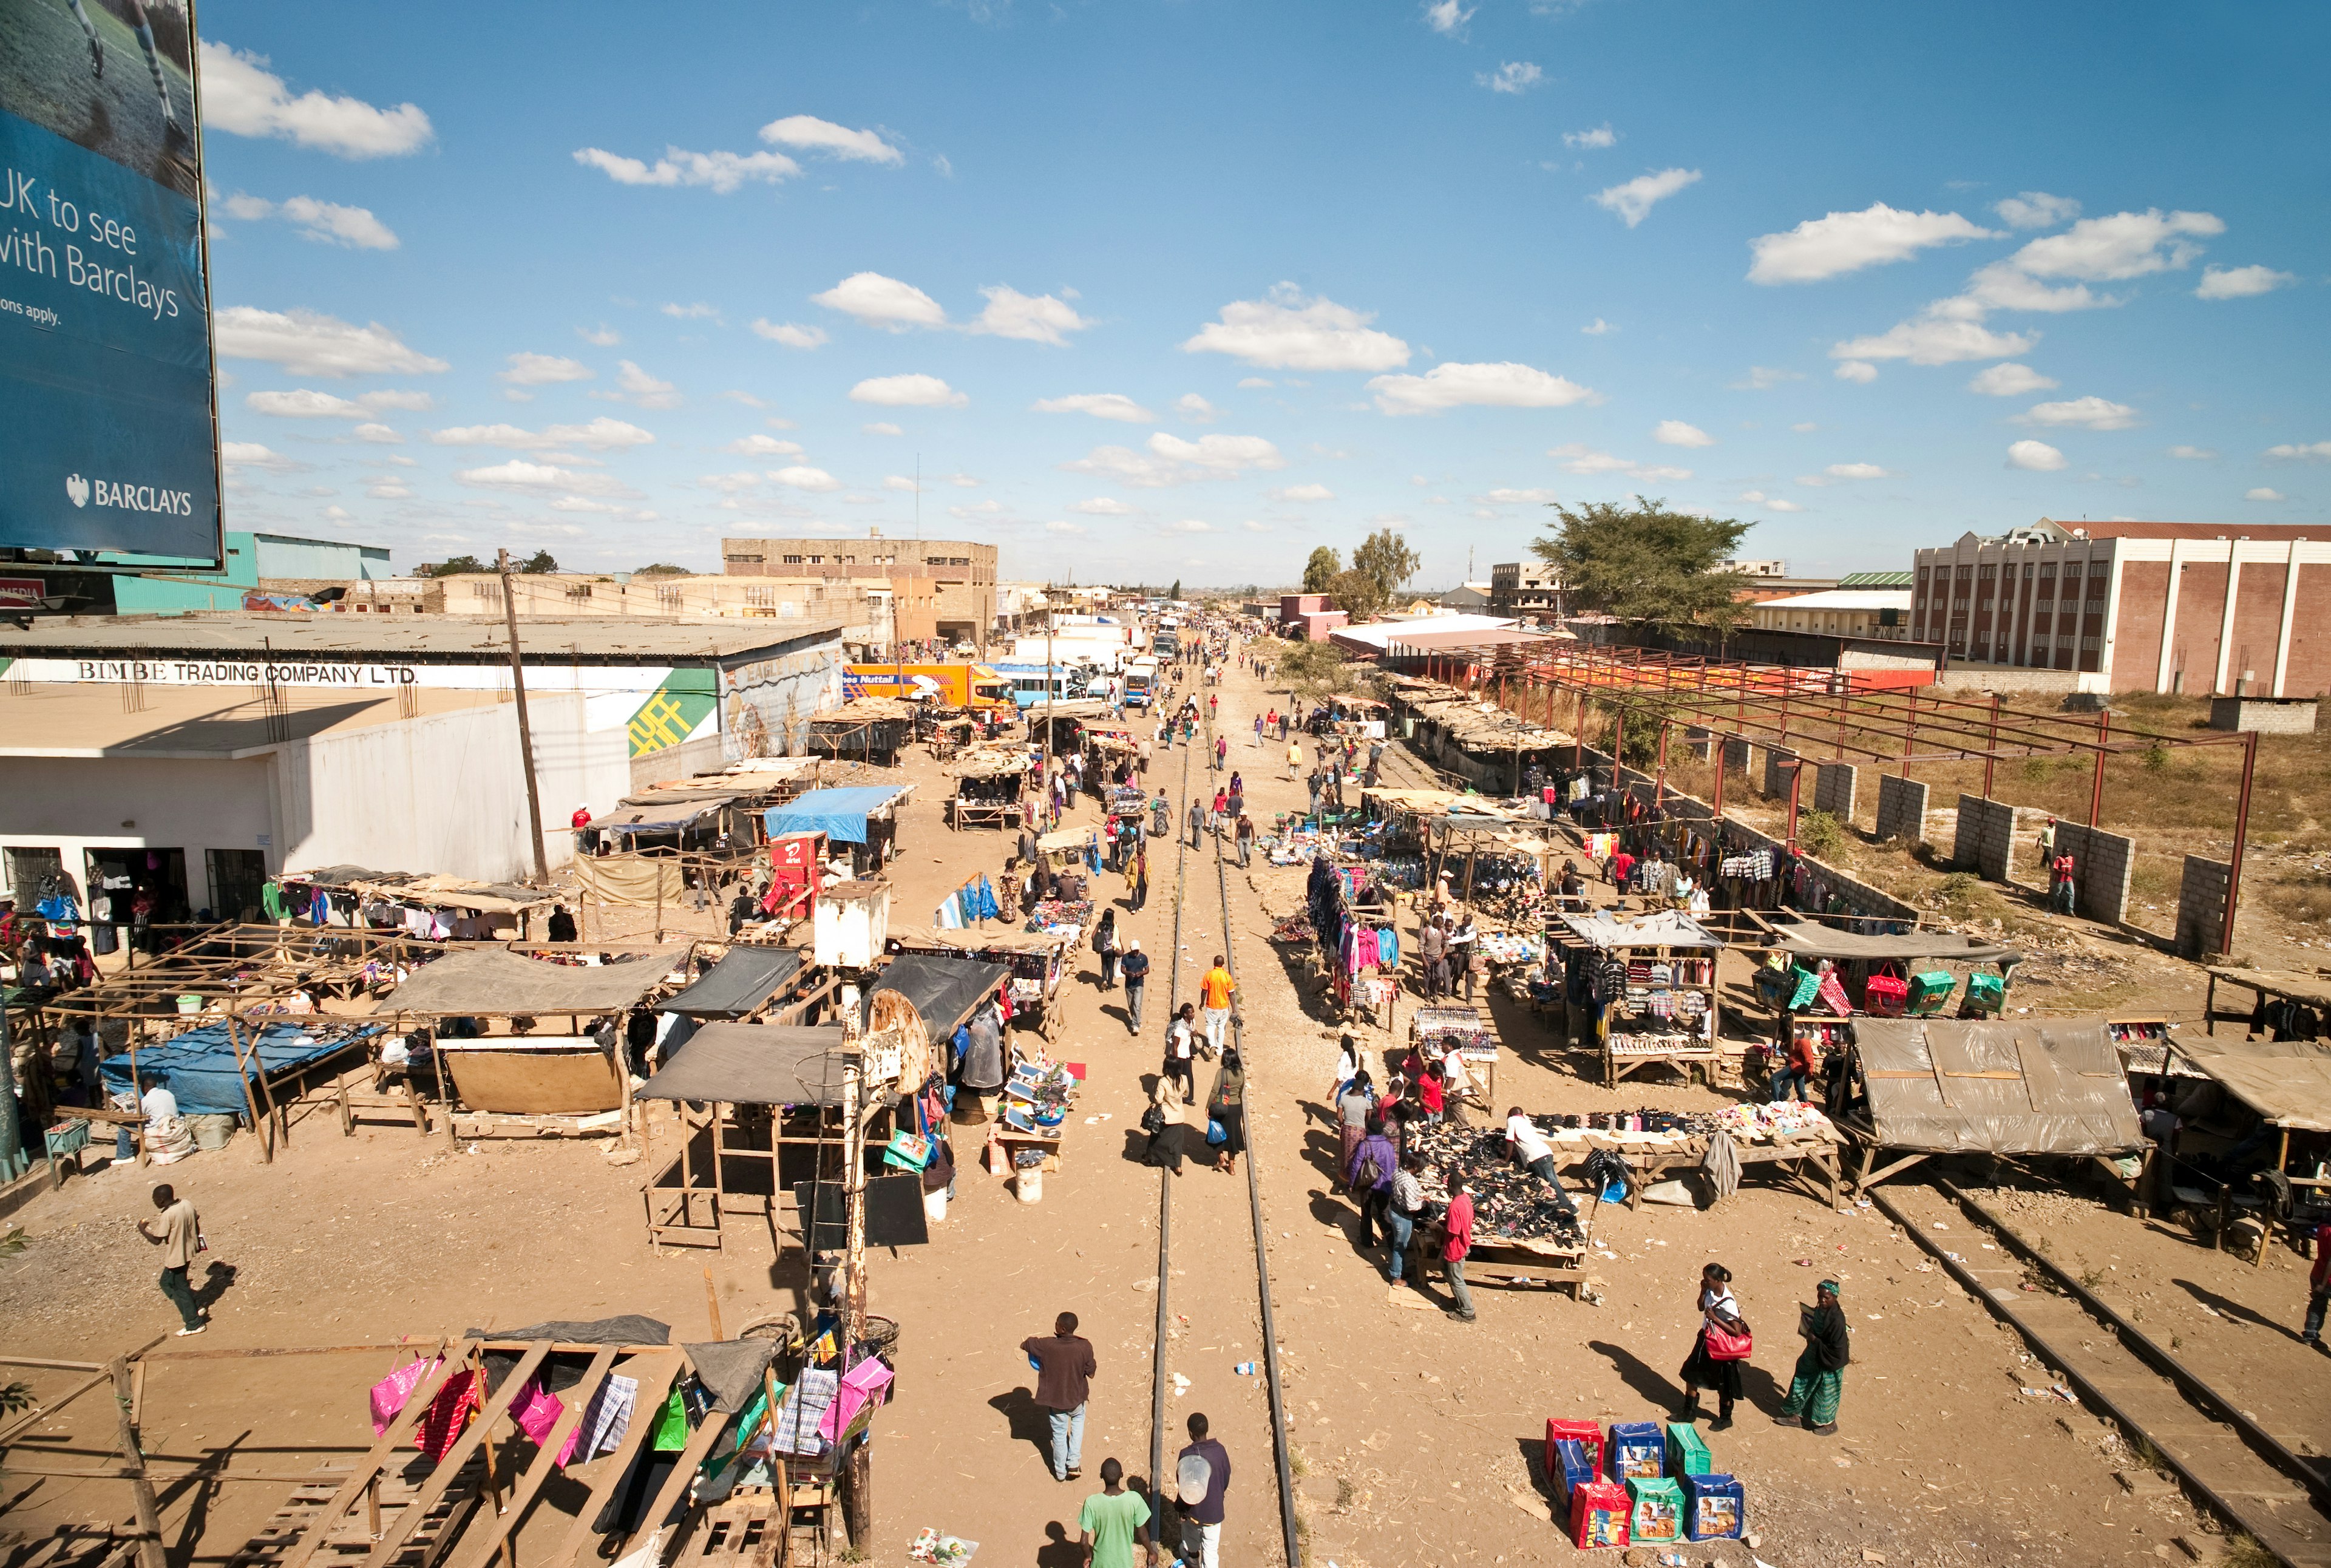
1817 1384
1227 1105
1163 1123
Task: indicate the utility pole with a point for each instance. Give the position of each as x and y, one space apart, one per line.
525 729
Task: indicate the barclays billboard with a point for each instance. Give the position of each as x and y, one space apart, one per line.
108 417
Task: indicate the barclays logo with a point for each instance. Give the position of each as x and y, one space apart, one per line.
128 498
77 489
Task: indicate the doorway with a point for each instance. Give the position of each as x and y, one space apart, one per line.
236 877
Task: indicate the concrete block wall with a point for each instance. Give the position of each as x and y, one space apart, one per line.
2101 863
1701 742
2202 907
1987 837
1901 808
1777 772
1738 756
1833 786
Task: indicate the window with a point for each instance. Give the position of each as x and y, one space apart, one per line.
1985 572
2097 582
761 598
668 598
2071 571
793 560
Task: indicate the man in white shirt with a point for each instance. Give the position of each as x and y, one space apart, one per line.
180 1239
158 1104
1534 1154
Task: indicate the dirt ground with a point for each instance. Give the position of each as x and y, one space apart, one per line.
1415 1437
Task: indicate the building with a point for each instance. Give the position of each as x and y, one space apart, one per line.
1526 590
1467 597
2133 606
160 587
222 750
1308 617
864 608
1840 611
1428 633
962 574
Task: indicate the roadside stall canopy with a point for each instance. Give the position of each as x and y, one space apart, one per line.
1662 929
1808 940
740 983
2287 1082
200 1068
754 1064
664 816
2024 1086
840 814
495 982
990 762
925 937
436 892
943 991
633 881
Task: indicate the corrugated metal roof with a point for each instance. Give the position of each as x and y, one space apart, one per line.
427 639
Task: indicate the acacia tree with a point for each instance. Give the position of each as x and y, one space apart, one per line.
1642 562
1357 594
1321 569
1387 558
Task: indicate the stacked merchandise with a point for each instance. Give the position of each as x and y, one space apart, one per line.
1061 917
1664 1007
1640 1486
1037 1098
1510 1205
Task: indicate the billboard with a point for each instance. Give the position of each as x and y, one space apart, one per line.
108 411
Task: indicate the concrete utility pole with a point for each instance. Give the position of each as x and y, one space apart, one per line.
525 729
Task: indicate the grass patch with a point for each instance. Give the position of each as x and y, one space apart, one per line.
1820 834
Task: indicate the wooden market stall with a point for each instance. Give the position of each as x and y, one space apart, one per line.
1657 973
868 729
424 907
862 817
2299 991
1040 961
2268 1107
988 785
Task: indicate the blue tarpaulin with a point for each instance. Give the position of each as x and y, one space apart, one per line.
199 1065
839 814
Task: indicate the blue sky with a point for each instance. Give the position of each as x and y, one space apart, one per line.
620 280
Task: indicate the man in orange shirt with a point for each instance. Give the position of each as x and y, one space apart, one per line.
1214 993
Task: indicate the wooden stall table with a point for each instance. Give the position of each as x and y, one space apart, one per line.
1795 1154
1013 1142
1719 1065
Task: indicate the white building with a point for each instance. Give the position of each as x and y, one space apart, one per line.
1838 612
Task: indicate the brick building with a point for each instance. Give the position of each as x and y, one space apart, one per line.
2128 606
1528 590
957 576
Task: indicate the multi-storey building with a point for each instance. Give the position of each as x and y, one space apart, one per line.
962 574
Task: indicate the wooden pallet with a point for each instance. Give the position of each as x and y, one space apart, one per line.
352 1538
751 1529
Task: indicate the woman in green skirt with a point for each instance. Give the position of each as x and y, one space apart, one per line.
1818 1383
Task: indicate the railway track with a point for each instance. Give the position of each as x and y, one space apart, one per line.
2226 1460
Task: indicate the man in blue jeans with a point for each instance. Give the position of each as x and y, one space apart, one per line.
1064 1364
1133 969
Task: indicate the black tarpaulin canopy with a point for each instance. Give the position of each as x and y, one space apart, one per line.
945 991
754 1064
494 982
1812 941
2049 1086
739 985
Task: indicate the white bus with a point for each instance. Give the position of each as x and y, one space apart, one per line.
1141 683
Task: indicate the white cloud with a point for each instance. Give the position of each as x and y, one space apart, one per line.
700 311
963 481
2313 451
1100 404
1676 432
1805 427
908 392
759 445
1762 376
876 300
541 478
1194 409
806 133
600 434
1770 503
2037 210
1446 16
1857 370
1190 526
389 488
1513 76
2192 453
325 222
1171 461
881 427
1934 340
1634 200
731 484
2241 282
1302 493
303 404
1252 527
1504 385
1518 498
240 96
1856 471
310 343
1600 136
640 388
2262 494
804 479
2083 413
542 370
1288 331
600 336
379 434
1580 459
790 334
722 172
902 482
1103 507
2006 286
1250 381
1842 242
241 454
2010 381
1030 318
2037 456
2124 245
1058 526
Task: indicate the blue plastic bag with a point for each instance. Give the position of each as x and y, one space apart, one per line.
1214 1133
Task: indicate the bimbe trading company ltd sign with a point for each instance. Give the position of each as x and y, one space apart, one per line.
215 672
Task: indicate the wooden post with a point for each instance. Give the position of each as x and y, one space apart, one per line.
2097 787
1991 746
141 1490
263 1126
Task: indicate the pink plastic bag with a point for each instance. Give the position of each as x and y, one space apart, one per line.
861 1385
536 1410
394 1391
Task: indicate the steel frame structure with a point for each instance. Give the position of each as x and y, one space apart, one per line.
1820 716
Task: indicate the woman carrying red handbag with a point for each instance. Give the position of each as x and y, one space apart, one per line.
1722 1343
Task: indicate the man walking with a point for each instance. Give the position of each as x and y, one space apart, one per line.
180 1239
1214 994
1134 970
1114 1521
1202 1475
1432 951
1459 1224
1370 1173
2318 1287
1197 821
1221 751
1064 1368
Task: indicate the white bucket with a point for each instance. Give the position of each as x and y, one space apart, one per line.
934 1206
1030 1183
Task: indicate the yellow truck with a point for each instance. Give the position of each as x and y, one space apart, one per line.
947 685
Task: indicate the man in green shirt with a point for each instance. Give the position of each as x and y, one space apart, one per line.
1114 1521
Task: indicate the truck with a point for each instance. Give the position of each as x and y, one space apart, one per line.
1140 684
975 686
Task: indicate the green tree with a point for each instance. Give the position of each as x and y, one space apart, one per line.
455 566
1314 669
662 569
538 563
1357 593
1640 562
1387 558
1176 591
1321 569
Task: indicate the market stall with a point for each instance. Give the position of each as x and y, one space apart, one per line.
2265 1106
862 817
2289 1004
432 908
2014 1087
1040 961
1889 975
750 984
1648 984
868 729
988 785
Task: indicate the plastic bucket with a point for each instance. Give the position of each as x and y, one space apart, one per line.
934 1206
1030 1185
188 1001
